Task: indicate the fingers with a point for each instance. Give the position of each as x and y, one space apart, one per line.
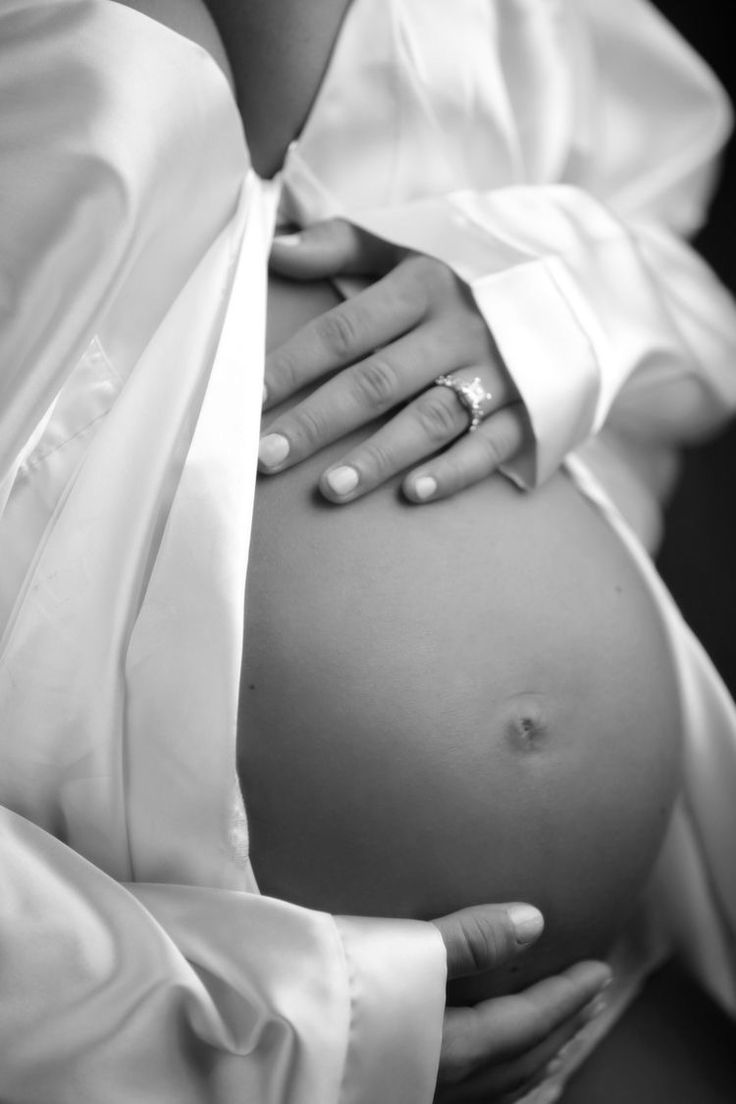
430 423
527 1029
487 936
360 394
507 1026
343 335
503 1046
474 457
515 1077
508 1080
330 248
392 341
422 428
416 289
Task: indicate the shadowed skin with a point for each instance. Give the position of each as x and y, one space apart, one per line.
278 52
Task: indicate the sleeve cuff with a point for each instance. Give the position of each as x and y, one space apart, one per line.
397 975
522 300
541 343
309 1007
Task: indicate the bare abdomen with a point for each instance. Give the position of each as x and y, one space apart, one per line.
442 705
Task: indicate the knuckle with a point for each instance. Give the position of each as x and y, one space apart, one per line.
438 411
407 289
484 942
443 279
438 279
337 332
376 461
309 428
421 277
477 943
434 273
416 265
375 385
336 225
282 374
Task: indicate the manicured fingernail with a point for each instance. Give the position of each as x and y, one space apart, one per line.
264 400
287 239
342 480
424 487
528 922
272 450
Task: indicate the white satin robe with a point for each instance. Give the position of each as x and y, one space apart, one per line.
138 960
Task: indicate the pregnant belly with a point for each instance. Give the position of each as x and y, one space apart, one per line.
465 702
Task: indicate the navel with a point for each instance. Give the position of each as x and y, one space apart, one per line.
526 724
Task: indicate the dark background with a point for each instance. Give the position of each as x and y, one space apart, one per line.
698 558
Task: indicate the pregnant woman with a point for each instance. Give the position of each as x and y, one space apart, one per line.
480 698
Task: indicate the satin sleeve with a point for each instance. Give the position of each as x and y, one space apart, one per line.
599 307
156 993
138 961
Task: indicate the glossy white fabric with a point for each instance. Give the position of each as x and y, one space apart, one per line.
133 244
139 964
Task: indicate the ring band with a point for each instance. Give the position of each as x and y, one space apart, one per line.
472 396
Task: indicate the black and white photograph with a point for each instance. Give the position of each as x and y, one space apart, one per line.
367 552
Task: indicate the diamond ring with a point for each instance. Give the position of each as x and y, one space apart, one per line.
471 394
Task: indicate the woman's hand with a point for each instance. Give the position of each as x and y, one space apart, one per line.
500 1049
387 345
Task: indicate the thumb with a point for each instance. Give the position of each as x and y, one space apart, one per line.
331 248
486 936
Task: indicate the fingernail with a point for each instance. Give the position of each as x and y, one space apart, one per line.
424 487
528 922
287 239
273 449
264 400
342 480
594 1009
